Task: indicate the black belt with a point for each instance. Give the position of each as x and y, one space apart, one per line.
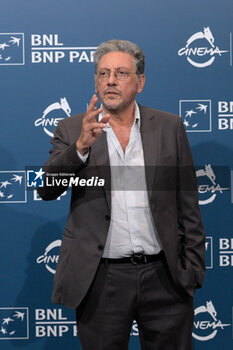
137 258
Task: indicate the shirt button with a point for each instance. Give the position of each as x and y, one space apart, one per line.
100 247
107 217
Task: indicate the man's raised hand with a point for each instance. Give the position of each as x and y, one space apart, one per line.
91 129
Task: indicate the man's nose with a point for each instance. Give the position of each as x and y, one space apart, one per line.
112 80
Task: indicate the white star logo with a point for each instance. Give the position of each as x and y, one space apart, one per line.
2 46
5 183
19 314
202 107
39 174
14 40
7 320
17 178
186 123
3 330
189 113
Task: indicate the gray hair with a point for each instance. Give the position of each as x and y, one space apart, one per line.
123 46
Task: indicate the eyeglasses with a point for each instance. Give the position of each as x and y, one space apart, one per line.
120 74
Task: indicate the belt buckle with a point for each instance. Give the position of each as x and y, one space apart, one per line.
138 258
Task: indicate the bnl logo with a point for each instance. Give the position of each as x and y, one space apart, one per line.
12 50
14 323
13 186
35 178
196 115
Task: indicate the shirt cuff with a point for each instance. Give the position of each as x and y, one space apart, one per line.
84 156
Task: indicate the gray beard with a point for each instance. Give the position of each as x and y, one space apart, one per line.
109 107
115 107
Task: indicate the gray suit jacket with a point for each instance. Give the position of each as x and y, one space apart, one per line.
173 199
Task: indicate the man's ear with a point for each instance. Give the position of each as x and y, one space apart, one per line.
141 83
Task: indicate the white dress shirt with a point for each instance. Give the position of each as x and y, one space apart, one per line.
131 227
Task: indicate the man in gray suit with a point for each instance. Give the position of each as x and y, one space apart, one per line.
132 249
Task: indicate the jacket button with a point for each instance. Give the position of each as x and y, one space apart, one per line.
100 247
107 217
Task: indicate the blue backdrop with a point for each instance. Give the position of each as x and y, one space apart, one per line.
46 74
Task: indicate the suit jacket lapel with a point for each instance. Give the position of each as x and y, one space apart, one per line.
99 154
149 131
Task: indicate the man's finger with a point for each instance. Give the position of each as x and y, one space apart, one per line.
96 125
92 104
91 116
105 118
92 112
97 131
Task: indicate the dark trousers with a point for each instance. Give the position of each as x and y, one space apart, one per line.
121 293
